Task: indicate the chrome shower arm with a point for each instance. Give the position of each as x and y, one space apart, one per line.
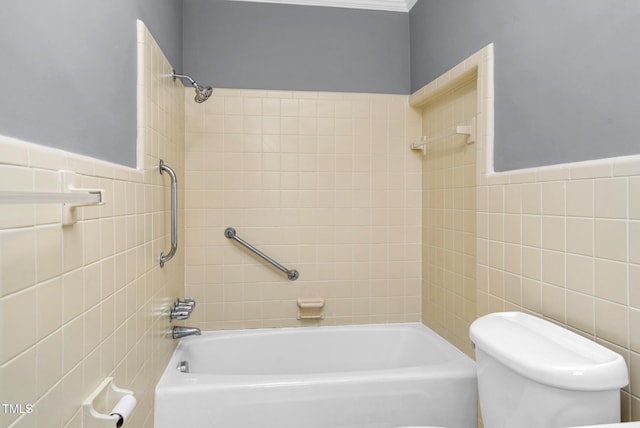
183 76
202 92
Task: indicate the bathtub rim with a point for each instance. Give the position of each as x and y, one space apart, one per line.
459 366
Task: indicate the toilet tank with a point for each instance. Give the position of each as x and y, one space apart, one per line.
535 374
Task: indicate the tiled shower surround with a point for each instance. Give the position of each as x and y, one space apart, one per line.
449 217
321 182
83 302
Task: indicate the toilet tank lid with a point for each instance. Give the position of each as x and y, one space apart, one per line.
547 353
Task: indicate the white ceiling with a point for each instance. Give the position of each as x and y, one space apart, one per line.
390 5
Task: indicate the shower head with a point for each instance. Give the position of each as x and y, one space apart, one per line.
202 92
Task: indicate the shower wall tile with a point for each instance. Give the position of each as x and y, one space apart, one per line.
560 242
448 240
585 266
83 302
321 182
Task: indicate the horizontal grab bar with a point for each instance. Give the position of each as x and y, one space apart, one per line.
230 233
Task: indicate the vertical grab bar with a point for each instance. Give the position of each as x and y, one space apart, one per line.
174 214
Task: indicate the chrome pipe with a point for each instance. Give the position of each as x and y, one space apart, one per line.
230 233
174 214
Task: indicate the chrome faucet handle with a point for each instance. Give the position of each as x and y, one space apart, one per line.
188 301
179 315
183 307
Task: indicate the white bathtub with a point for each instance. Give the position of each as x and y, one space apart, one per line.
374 376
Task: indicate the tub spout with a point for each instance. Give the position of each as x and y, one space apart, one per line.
179 332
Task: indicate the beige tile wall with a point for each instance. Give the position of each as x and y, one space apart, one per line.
83 302
562 242
452 171
449 217
323 183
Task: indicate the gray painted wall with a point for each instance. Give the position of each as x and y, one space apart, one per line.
69 71
566 82
566 72
274 46
163 18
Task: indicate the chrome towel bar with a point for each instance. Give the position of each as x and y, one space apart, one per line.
174 214
230 233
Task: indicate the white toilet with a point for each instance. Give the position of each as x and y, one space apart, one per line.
535 374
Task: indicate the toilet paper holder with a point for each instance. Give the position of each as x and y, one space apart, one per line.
108 406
